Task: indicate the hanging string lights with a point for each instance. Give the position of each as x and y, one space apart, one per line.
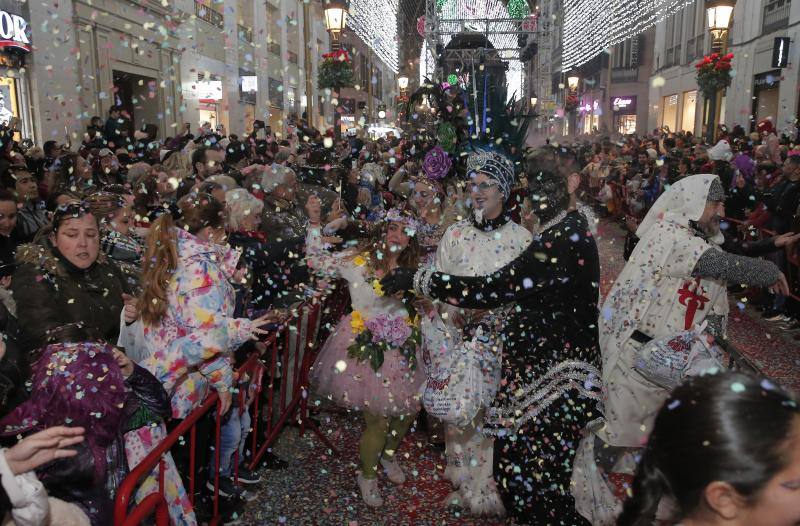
592 26
375 22
451 11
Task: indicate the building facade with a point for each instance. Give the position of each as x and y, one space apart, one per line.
758 89
227 62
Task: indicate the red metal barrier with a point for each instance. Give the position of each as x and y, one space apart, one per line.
287 365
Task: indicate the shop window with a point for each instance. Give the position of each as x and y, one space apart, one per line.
689 110
625 124
670 114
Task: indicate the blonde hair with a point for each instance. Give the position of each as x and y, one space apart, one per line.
241 204
160 258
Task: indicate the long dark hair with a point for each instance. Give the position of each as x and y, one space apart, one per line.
730 427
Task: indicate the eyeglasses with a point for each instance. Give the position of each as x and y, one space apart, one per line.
482 187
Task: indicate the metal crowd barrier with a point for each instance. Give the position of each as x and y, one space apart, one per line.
287 361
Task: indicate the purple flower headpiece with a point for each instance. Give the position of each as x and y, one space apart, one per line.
74 384
437 163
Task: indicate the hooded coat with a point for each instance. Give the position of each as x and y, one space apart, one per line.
190 348
51 292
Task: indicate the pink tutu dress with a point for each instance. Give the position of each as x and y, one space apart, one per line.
392 390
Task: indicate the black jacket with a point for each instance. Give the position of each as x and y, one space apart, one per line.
276 266
50 292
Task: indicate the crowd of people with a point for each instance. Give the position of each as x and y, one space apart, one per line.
138 273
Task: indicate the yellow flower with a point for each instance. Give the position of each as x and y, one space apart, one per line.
359 261
357 323
376 286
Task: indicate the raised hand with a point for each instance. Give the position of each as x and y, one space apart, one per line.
131 308
787 239
42 447
781 286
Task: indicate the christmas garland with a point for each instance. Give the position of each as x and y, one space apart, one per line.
714 73
336 70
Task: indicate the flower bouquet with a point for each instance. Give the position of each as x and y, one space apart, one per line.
336 70
714 73
379 335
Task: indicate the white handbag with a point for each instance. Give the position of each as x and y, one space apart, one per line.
459 386
668 361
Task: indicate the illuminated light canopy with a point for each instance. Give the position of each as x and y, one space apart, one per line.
375 22
592 26
478 13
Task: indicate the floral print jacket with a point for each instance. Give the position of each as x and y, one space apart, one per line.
192 346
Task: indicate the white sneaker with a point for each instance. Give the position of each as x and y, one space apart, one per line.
393 471
370 492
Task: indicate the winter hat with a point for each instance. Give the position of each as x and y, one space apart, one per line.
495 165
720 151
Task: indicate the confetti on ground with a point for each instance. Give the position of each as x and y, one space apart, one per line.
318 489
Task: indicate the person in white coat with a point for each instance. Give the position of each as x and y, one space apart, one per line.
675 280
477 246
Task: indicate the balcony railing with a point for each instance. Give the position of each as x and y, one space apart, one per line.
245 34
293 58
207 13
274 48
624 74
776 15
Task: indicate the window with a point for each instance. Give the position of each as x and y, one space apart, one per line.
625 60
276 93
670 115
291 97
776 15
204 11
689 110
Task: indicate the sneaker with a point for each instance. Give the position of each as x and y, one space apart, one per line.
248 477
393 471
227 488
272 461
369 491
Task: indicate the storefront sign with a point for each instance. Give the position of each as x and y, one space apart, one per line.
624 105
13 32
767 80
780 52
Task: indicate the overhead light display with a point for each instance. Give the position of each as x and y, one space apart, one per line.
455 10
592 26
375 22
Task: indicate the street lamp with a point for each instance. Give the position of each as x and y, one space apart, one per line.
720 13
335 17
719 21
534 100
572 82
402 83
